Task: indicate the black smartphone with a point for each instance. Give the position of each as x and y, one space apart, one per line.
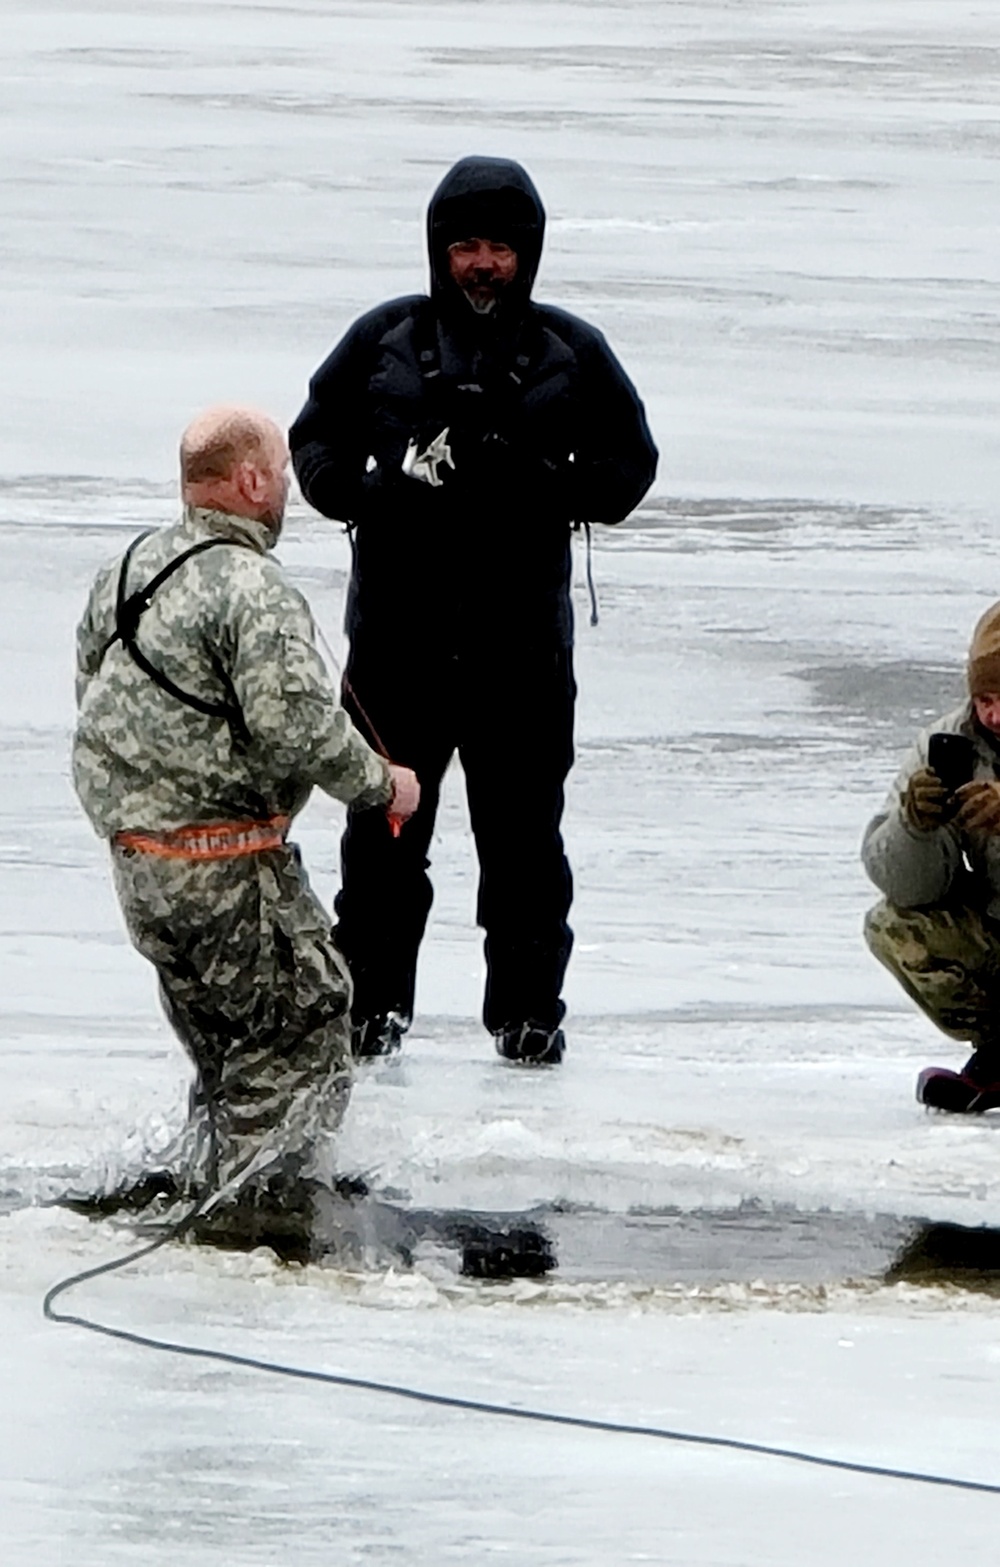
953 758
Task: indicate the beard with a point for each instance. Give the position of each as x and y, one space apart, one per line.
274 519
484 297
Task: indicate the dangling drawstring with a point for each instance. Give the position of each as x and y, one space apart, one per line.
594 617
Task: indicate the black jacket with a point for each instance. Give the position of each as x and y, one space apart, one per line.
544 429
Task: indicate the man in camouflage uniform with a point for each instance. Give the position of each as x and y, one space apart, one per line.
934 851
206 716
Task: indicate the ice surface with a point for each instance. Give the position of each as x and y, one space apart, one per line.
782 215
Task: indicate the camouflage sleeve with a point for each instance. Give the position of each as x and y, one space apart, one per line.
92 634
289 703
911 869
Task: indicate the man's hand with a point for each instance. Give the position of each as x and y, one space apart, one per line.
424 464
926 803
405 793
979 807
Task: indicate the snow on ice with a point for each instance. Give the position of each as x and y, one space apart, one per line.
782 217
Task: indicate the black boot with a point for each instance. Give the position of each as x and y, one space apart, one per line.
529 1044
378 1036
969 1092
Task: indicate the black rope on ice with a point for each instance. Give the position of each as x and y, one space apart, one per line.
473 1406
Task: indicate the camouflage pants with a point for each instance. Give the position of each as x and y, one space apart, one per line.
947 959
258 995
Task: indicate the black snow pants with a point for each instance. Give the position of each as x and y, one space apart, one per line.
510 718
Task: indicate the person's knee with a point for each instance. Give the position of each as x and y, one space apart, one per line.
935 929
911 943
875 927
525 906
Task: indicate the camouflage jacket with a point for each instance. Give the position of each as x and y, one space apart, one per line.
914 869
226 626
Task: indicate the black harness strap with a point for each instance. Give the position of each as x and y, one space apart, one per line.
129 610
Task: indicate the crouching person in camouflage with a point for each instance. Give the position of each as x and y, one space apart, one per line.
206 716
934 852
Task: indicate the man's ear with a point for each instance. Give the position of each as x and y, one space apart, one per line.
251 481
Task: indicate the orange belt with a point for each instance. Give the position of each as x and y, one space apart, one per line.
213 841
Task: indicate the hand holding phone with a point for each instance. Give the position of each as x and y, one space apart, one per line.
979 808
926 801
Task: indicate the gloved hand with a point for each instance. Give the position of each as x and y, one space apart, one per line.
423 462
927 804
521 473
979 807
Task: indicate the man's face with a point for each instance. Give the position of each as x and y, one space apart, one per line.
988 711
482 268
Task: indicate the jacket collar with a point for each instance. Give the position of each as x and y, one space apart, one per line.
202 522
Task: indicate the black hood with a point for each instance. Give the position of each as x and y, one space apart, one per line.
486 198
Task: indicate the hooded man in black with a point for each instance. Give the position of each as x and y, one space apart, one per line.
460 436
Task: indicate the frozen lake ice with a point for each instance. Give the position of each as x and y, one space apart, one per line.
782 216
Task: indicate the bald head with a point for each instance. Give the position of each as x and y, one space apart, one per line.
235 460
